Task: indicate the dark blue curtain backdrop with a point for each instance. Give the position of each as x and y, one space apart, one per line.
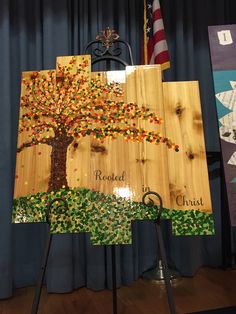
32 34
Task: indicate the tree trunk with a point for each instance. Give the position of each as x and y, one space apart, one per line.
58 178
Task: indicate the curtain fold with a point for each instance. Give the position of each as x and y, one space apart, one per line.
33 34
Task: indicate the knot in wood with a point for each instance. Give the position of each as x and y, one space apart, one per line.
96 148
179 110
190 155
141 160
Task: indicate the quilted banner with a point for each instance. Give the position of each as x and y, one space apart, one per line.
223 55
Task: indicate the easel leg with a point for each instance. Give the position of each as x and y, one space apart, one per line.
165 270
114 290
41 277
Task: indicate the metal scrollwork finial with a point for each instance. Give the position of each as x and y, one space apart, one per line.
148 200
108 47
107 36
61 207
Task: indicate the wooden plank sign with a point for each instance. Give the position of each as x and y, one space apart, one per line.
98 140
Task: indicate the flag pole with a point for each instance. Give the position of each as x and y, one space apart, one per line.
145 52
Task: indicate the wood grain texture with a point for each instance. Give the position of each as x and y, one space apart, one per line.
151 171
33 163
65 61
188 174
180 178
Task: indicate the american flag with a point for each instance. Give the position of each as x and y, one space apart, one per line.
155 47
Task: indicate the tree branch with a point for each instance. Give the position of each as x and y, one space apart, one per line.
47 141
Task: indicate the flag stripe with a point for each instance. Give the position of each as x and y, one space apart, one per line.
157 53
158 26
155 43
156 15
161 57
160 47
160 36
155 5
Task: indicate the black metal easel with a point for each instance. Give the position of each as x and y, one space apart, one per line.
108 53
38 289
106 48
148 200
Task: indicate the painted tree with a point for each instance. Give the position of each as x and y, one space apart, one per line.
59 107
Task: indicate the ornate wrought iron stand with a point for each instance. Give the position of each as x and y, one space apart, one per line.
148 200
61 204
108 53
107 49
